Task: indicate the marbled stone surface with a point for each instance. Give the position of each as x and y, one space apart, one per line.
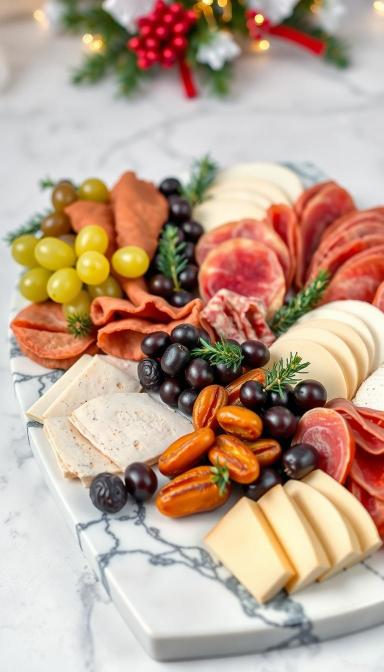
53 614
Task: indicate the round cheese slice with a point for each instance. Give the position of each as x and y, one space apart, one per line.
323 366
240 195
262 187
328 312
350 337
283 177
336 346
217 211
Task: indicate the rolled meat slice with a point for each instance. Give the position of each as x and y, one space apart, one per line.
366 425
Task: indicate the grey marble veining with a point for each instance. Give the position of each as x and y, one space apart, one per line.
53 614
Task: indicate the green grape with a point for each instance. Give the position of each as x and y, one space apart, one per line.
63 195
64 285
33 284
56 224
23 250
93 189
53 253
92 268
130 261
91 238
110 287
80 305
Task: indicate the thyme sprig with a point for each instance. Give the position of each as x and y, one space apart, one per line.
222 352
301 304
31 226
79 324
46 183
171 258
285 373
203 173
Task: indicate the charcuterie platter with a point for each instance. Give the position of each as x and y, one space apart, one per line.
200 366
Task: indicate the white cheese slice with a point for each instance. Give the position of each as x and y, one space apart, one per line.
239 195
283 177
371 392
97 378
297 537
219 211
350 507
255 185
336 534
350 336
129 427
328 312
246 545
336 346
322 365
374 319
76 456
37 410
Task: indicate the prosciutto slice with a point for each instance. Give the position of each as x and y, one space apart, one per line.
367 425
374 506
368 471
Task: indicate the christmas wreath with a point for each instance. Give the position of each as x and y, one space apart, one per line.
135 39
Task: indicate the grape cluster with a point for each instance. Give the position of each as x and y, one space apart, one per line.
109 492
188 233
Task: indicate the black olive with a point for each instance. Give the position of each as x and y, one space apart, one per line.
186 334
299 460
268 479
154 344
186 401
150 374
108 493
175 359
226 374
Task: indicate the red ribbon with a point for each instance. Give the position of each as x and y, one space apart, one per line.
190 89
313 44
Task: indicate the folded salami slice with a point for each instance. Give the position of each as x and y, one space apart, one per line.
368 471
85 213
354 217
373 505
332 261
46 316
358 278
367 425
308 194
283 220
378 299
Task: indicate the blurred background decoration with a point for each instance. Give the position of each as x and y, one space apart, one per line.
136 39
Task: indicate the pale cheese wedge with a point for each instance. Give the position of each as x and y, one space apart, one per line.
350 336
285 178
336 534
76 456
329 313
129 427
371 392
97 378
322 365
336 346
246 545
37 410
254 185
350 507
297 537
219 211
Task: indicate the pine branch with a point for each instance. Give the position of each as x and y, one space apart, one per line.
282 374
171 259
301 304
79 325
46 183
336 49
32 226
202 175
219 81
222 352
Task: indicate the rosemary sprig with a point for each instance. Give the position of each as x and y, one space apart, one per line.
303 302
282 374
46 183
171 259
202 175
222 352
79 324
220 476
32 225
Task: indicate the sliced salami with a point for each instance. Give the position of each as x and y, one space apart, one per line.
368 471
308 194
354 217
46 316
246 267
358 278
373 505
378 299
339 255
283 220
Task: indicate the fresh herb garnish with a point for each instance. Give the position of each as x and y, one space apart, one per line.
282 374
223 352
202 175
31 226
220 476
46 183
301 304
171 258
79 324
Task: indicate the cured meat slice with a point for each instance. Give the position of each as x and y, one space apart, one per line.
373 505
358 278
328 432
46 316
308 194
354 217
283 220
51 349
246 228
84 213
368 471
339 255
378 299
329 203
237 317
367 425
247 268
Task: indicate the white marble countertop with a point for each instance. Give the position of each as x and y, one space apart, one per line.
286 105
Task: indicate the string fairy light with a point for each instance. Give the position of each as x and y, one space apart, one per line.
41 18
93 43
378 7
260 46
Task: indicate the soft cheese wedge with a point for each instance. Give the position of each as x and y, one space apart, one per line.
218 211
245 544
97 378
350 507
336 534
371 392
37 410
297 537
322 365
